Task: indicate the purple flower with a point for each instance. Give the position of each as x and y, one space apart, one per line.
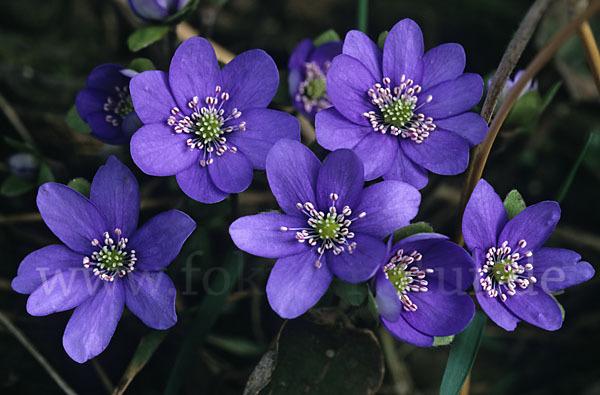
208 126
531 86
24 165
401 111
308 68
331 224
106 262
156 10
105 104
419 289
516 274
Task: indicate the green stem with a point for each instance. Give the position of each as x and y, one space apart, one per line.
569 180
363 15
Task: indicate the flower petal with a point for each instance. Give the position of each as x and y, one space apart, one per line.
251 79
389 205
403 52
440 312
442 63
386 296
348 82
377 152
264 128
159 241
89 101
484 218
556 269
403 331
295 284
261 235
325 53
152 10
197 184
342 174
105 131
362 263
469 125
405 170
300 54
452 97
231 172
42 264
151 96
535 224
70 216
92 324
62 290
106 77
158 151
441 153
116 193
292 171
361 47
194 71
536 307
151 297
335 131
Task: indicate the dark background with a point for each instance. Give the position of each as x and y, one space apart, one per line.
47 48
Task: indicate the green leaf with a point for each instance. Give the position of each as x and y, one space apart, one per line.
236 345
15 186
526 110
45 175
75 122
560 306
220 286
354 294
514 203
141 65
145 36
325 37
20 146
412 229
381 39
81 185
143 353
442 341
325 359
462 355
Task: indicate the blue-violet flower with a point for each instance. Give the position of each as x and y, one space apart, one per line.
515 273
106 262
401 111
331 224
209 127
156 10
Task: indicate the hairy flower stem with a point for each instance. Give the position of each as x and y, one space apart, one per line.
481 152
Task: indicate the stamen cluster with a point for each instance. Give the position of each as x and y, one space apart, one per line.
312 92
112 259
404 274
207 125
397 110
121 107
502 272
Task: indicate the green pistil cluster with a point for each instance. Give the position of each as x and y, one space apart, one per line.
398 113
399 278
111 258
209 127
328 228
316 88
500 271
124 107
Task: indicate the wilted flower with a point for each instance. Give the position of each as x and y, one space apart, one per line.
208 126
106 262
156 10
308 71
419 289
24 165
401 111
105 104
331 224
516 274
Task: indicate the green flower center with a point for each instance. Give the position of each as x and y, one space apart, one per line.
399 278
503 271
328 228
398 113
403 272
124 107
315 88
111 258
209 127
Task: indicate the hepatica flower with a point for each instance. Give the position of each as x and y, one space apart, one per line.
308 68
330 225
401 111
531 86
419 289
105 104
106 262
156 10
515 273
208 126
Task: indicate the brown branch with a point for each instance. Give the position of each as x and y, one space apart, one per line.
14 119
590 48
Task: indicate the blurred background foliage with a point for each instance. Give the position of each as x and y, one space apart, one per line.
47 48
